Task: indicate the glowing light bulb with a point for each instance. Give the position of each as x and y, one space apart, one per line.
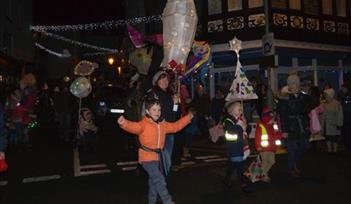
264 143
278 142
275 126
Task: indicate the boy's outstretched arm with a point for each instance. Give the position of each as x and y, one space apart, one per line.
178 125
129 126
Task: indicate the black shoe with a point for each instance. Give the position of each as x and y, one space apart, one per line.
227 184
246 189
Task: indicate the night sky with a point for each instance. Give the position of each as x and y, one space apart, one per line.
59 12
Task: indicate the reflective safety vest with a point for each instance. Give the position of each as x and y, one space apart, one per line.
264 136
231 137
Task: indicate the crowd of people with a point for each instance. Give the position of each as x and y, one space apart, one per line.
166 119
301 111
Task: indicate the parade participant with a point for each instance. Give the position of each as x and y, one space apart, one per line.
293 110
267 140
152 130
14 112
168 102
332 120
234 130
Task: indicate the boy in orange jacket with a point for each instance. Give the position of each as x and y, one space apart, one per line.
267 139
152 131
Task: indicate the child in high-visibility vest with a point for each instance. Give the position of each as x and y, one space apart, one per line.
235 135
267 140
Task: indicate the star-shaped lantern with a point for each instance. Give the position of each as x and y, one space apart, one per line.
235 45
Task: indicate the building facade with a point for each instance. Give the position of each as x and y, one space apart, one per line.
313 36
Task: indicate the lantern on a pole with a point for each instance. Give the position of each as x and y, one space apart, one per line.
179 26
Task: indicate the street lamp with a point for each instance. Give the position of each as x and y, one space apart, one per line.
119 70
111 60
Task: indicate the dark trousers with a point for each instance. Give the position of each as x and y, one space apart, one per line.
239 167
203 126
179 143
296 148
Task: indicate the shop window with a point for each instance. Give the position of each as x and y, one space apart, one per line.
280 4
235 5
255 3
295 4
214 7
341 8
311 7
327 7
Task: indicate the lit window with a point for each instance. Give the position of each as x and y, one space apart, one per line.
235 5
311 7
280 4
255 3
295 4
214 7
327 7
341 8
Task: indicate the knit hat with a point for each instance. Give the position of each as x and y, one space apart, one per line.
293 79
330 92
158 76
266 115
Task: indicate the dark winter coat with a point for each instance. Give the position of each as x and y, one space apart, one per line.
166 102
234 148
293 112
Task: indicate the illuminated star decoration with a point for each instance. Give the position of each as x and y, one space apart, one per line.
235 45
241 88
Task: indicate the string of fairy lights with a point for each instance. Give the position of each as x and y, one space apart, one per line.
57 54
81 44
107 25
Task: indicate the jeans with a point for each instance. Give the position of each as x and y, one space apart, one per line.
157 183
296 148
231 166
169 143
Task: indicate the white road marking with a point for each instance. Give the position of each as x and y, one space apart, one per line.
3 183
188 163
100 171
127 163
41 178
76 162
93 166
215 160
207 157
130 168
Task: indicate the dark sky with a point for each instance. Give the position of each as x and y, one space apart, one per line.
58 12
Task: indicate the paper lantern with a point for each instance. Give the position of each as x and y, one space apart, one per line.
81 87
179 26
85 68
